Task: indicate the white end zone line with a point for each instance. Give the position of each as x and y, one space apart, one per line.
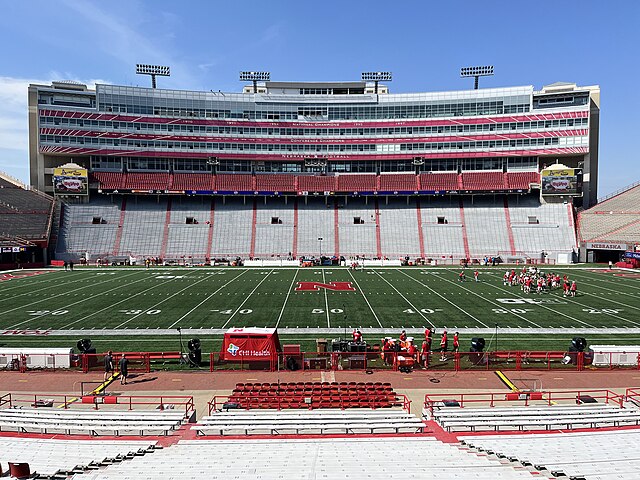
248 297
365 298
207 298
406 299
326 300
293 280
162 301
445 299
75 290
486 299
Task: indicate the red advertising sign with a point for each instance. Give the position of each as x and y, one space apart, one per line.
250 344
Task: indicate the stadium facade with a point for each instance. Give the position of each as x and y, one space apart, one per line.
313 129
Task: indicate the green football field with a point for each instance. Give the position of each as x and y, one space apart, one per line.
378 298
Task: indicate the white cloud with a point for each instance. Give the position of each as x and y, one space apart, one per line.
14 122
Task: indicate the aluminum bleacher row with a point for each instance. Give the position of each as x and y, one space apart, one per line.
321 421
290 183
310 395
24 213
552 417
569 455
209 227
63 458
89 422
389 458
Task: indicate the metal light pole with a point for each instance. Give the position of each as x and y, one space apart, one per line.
376 77
476 72
153 71
320 243
255 77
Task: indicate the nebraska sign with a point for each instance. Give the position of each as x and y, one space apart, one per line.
316 286
606 246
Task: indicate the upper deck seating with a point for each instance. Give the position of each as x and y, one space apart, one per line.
521 180
108 180
483 180
147 181
357 183
439 181
192 181
239 182
398 182
313 183
276 183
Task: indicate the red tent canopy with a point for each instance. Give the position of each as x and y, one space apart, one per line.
250 345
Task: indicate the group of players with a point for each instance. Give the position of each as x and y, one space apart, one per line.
533 280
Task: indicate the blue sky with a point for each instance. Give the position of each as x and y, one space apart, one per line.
424 43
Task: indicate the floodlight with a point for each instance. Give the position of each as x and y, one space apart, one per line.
476 72
153 70
255 76
376 76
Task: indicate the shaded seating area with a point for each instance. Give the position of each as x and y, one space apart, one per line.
400 182
357 183
324 421
522 180
313 183
276 183
483 180
312 395
439 181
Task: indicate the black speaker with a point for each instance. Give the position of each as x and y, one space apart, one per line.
477 344
84 345
195 354
578 344
292 364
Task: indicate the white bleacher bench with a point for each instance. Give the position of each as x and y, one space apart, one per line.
280 428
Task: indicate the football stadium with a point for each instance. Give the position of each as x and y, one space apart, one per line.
327 274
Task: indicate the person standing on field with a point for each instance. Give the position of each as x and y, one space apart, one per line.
123 365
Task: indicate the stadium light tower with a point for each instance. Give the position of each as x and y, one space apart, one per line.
255 77
476 72
376 77
153 70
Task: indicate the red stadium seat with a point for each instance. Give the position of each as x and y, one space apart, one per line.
314 183
521 180
483 181
192 181
439 181
394 182
234 182
276 183
357 183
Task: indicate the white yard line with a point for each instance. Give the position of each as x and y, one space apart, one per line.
72 291
30 291
406 300
162 301
486 299
287 297
516 295
127 299
365 299
326 300
444 298
248 297
605 279
208 297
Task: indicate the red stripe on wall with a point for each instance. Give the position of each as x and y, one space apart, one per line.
211 220
123 208
507 215
420 234
465 239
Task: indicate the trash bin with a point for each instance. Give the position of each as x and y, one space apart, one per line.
321 344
